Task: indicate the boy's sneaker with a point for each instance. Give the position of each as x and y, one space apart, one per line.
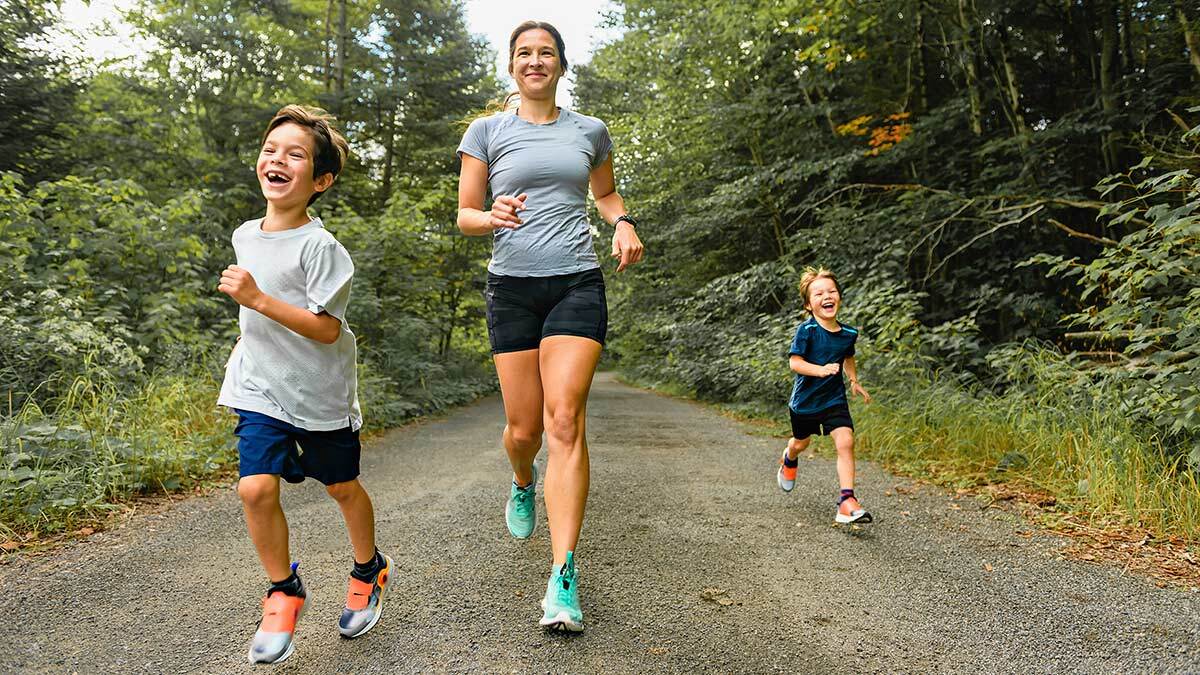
520 514
364 602
273 640
560 607
786 476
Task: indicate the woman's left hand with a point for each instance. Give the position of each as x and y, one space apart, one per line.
626 245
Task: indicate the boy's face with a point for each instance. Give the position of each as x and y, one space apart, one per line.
823 299
285 167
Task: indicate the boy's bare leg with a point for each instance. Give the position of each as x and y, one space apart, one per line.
359 514
797 446
266 523
843 440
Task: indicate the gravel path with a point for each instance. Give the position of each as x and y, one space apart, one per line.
692 559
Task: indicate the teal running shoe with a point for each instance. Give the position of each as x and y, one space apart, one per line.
560 607
520 514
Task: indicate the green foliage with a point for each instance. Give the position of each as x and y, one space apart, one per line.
923 151
102 279
104 442
1145 295
116 235
39 91
1037 437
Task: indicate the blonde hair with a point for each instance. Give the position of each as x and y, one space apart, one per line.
810 275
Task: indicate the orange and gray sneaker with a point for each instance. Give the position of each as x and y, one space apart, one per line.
273 640
786 476
364 601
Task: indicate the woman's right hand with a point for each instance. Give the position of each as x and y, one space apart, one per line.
504 212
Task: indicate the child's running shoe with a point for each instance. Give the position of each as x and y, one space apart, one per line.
520 513
364 602
859 515
560 607
273 640
786 476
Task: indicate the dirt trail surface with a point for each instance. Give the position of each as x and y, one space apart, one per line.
692 559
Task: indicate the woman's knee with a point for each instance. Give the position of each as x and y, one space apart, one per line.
525 434
564 425
259 491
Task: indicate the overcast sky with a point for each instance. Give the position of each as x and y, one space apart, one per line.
579 21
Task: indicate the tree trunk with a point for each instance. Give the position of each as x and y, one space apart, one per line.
325 44
1109 44
389 154
828 116
339 64
968 56
1189 37
1127 57
922 68
1013 91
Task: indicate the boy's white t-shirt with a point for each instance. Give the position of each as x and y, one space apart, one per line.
278 372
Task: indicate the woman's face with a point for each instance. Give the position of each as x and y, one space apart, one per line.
536 65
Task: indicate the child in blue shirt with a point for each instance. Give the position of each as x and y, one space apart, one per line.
820 351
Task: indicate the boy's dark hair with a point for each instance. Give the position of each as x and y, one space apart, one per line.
331 148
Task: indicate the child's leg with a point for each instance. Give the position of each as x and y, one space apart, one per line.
267 524
796 446
843 440
356 508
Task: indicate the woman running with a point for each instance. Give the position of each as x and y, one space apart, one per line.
546 310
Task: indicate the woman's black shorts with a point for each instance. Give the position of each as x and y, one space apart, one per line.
523 310
821 422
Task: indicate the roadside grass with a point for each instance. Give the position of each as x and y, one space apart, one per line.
101 445
1096 465
1094 468
104 444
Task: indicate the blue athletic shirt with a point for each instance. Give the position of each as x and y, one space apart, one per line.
818 346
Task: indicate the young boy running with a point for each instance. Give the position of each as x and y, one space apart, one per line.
821 350
291 378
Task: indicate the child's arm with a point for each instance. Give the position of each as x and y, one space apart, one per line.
238 284
802 367
852 373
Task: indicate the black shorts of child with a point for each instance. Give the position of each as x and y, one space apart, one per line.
269 446
523 310
821 422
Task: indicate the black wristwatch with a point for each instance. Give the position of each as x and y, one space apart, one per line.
627 219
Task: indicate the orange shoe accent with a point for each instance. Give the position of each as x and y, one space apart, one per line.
358 595
789 472
280 612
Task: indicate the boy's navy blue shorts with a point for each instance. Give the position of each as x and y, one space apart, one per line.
267 445
821 422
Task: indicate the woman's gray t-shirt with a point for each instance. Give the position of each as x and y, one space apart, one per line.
551 163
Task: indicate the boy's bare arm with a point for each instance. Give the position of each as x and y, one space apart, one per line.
852 373
238 284
802 367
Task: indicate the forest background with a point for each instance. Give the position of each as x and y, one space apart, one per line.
1008 191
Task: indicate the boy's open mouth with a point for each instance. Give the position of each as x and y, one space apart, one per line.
276 178
828 304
